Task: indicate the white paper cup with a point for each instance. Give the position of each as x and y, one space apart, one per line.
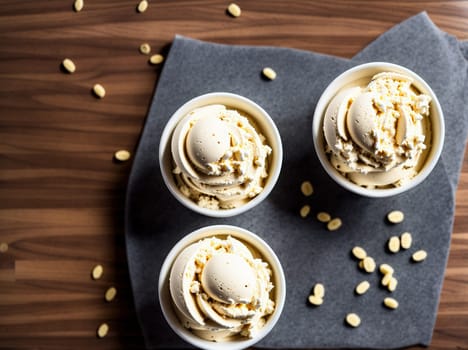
267 254
358 73
261 119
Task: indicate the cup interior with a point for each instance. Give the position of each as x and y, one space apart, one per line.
356 74
267 254
263 123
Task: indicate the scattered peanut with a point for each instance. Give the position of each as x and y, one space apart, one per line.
110 294
99 90
319 290
305 210
97 272
269 73
386 269
420 255
142 6
334 224
315 300
386 279
394 244
406 240
359 252
145 49
3 247
353 320
102 330
234 10
323 217
78 5
362 287
69 65
395 216
122 155
307 189
368 264
390 303
392 284
156 59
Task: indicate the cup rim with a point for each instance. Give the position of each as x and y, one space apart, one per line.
227 98
436 118
247 236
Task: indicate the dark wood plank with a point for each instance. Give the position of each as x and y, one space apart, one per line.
62 196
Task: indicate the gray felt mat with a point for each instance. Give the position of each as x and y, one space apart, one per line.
155 221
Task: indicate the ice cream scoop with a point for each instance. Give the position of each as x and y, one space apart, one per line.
208 140
229 279
376 134
220 158
189 151
334 124
220 290
362 121
182 273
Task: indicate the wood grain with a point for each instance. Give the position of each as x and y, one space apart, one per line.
62 195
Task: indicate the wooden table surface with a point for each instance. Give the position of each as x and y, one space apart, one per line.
62 195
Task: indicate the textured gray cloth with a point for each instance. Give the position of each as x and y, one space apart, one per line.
309 253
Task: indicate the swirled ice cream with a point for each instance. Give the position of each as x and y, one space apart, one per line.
377 134
221 159
220 290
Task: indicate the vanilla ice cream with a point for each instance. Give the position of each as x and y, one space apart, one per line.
221 289
377 133
220 158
